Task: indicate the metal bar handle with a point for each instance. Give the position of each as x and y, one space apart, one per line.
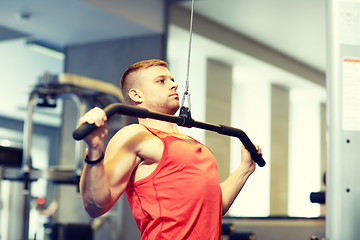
86 128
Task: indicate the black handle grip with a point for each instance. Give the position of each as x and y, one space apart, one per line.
230 131
83 130
318 197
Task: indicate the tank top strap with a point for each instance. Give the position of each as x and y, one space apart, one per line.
156 132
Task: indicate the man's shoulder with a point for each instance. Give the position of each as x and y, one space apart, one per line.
128 136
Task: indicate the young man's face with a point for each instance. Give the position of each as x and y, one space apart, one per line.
158 90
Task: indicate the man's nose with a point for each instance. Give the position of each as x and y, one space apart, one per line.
174 85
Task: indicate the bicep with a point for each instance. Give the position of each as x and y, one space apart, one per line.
118 171
121 159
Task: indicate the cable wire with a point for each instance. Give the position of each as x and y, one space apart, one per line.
187 84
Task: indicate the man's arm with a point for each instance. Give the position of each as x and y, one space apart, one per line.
103 183
234 183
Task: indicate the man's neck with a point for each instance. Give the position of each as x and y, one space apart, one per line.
160 125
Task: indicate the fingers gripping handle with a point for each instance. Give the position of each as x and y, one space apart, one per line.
86 128
253 152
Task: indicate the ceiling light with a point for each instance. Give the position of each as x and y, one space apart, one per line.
23 17
47 49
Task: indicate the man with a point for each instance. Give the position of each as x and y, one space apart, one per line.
171 180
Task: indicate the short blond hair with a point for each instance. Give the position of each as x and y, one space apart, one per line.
126 85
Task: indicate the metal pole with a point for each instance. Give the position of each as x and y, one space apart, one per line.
26 164
79 146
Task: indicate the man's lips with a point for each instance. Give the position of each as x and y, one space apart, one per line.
175 95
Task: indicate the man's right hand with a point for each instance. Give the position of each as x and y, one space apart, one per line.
95 140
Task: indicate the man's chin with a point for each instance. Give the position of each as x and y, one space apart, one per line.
174 110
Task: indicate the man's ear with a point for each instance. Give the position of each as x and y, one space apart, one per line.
136 95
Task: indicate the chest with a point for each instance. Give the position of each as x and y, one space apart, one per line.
172 152
185 171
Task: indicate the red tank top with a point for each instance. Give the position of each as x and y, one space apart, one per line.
181 198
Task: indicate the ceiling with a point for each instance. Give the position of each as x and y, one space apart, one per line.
294 28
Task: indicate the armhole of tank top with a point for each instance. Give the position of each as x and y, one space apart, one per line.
159 166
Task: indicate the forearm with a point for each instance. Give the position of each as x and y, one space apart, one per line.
232 186
94 188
